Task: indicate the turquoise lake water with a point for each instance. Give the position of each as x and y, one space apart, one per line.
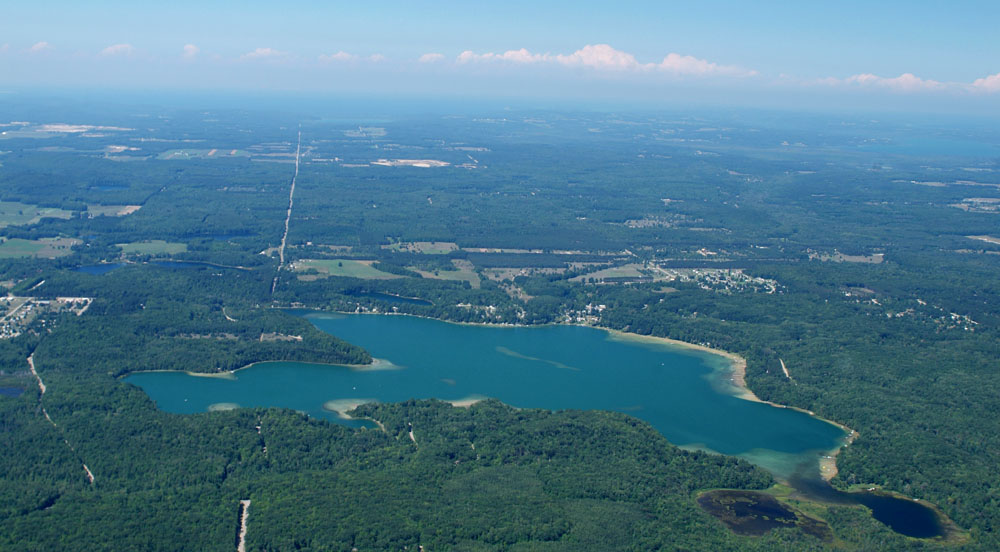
684 394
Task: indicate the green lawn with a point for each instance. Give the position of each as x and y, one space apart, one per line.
17 247
153 247
343 267
624 271
13 213
465 273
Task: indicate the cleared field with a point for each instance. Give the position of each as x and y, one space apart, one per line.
17 247
422 163
47 248
464 273
839 257
500 274
13 213
153 247
194 153
427 248
56 247
347 268
95 210
625 271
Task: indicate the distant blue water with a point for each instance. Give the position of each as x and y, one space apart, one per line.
11 392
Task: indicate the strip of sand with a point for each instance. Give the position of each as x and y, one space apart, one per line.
466 402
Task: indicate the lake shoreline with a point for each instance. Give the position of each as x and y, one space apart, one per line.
735 369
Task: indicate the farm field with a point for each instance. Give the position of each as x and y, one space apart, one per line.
427 248
342 267
13 213
152 247
97 210
465 273
44 248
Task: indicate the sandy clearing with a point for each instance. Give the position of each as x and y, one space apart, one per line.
41 386
784 369
467 401
244 514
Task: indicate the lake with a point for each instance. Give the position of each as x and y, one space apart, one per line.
685 394
98 269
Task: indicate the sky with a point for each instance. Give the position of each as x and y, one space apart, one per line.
917 54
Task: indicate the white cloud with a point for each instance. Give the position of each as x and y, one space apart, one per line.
39 47
344 57
907 82
118 50
690 65
431 57
987 84
601 56
604 57
264 53
190 51
339 56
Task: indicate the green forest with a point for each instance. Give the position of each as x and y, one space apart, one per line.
870 277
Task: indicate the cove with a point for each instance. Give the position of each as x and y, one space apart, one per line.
685 394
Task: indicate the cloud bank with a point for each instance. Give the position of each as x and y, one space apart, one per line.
264 53
604 57
117 50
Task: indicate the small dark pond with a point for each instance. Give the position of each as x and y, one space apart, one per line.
179 264
98 269
11 392
902 515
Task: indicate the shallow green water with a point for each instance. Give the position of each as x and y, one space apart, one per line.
684 394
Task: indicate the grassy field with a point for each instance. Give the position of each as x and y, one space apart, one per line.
624 271
464 273
48 248
13 213
427 248
19 248
343 267
154 247
56 247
